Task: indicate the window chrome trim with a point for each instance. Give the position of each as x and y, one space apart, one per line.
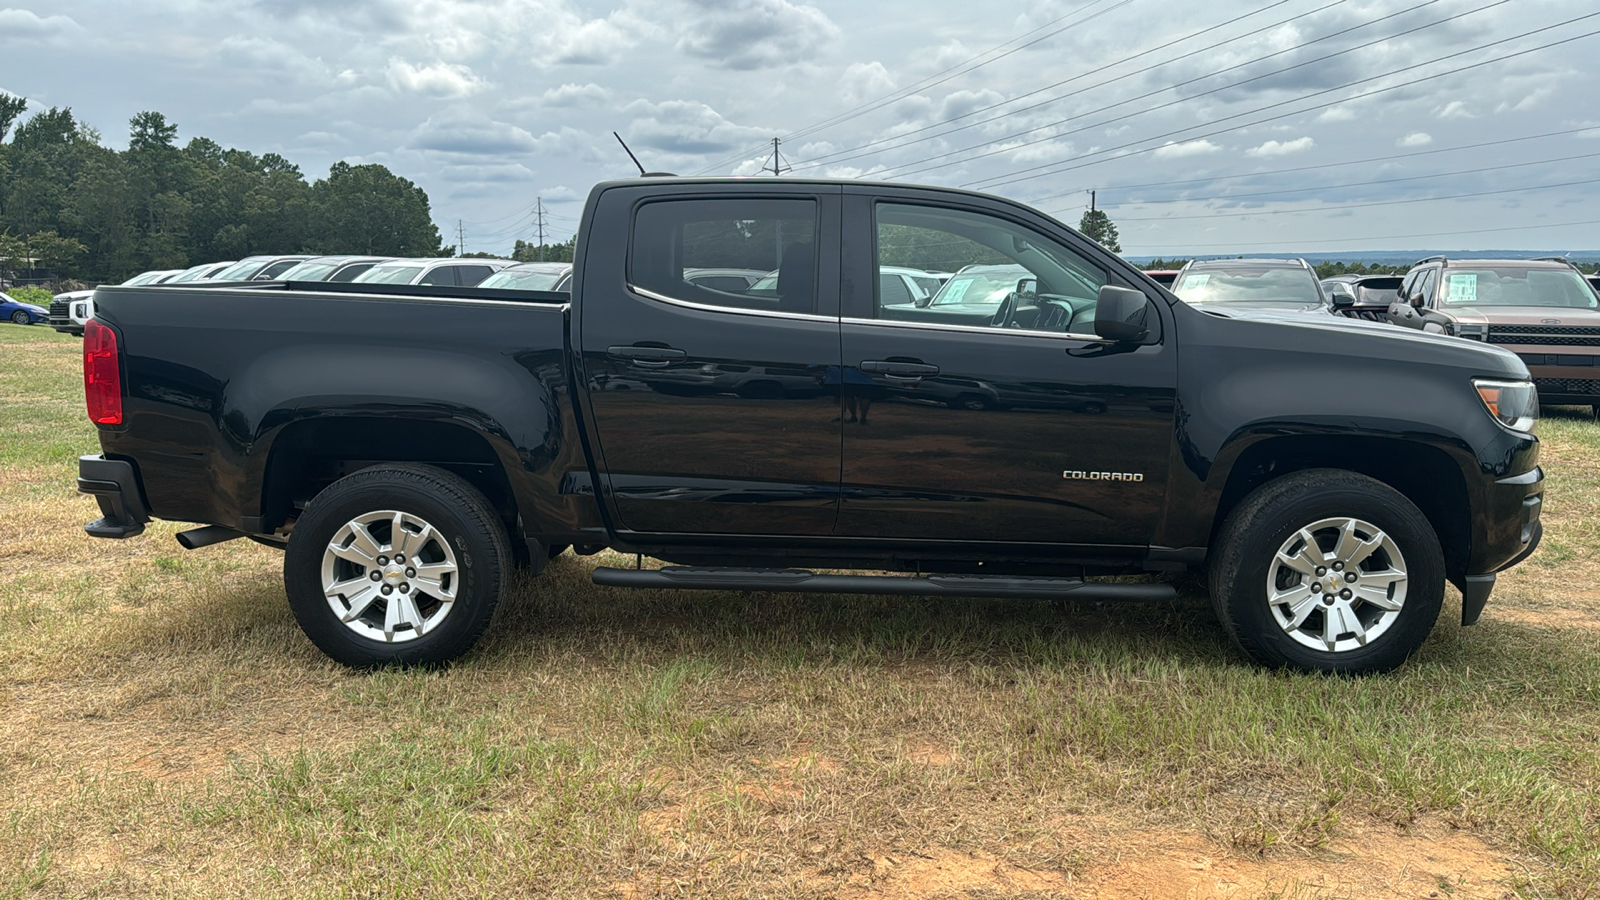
983 329
707 307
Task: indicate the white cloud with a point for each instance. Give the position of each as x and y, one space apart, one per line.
1455 109
1172 150
459 133
437 80
1415 139
753 34
26 25
576 95
684 126
864 81
1282 148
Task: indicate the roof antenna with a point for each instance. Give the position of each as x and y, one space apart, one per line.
642 172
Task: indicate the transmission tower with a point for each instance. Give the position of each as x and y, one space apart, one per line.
778 164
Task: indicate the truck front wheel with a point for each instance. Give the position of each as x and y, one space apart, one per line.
399 564
1328 571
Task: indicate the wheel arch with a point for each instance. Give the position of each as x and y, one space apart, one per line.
1427 475
309 454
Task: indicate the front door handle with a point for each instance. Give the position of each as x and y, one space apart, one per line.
896 368
647 356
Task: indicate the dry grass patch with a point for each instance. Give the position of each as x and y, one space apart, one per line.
166 730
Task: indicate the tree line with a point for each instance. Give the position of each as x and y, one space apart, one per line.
90 213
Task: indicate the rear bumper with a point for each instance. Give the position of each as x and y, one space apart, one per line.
115 484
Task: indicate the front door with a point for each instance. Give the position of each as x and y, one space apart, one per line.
990 412
716 407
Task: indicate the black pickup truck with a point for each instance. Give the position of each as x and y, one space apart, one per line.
1074 432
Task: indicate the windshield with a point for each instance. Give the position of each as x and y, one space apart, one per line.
311 270
1249 285
241 270
523 280
390 274
980 288
145 277
1516 286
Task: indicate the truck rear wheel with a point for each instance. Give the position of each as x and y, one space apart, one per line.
1328 571
400 564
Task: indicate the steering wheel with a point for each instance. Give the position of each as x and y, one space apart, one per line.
1006 315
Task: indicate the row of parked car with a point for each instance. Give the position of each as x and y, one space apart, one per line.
1546 311
70 311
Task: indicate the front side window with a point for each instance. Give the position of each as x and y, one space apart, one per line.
672 238
1006 275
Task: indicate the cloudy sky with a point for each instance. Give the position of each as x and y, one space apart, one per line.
1219 127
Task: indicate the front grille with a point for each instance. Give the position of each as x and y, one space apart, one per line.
1567 386
1563 335
60 314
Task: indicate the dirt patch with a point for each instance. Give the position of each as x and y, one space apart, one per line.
1432 862
949 873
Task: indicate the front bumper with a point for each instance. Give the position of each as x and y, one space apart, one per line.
115 484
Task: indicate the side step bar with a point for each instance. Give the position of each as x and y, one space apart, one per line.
803 581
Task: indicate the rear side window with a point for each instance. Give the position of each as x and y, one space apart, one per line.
467 276
443 275
777 236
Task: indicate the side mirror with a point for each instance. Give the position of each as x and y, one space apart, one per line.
1119 314
1027 287
1341 297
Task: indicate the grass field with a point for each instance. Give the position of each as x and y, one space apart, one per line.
166 730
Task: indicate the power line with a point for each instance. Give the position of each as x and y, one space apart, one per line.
1312 168
931 80
1188 99
1333 187
1023 174
1402 237
1338 206
824 158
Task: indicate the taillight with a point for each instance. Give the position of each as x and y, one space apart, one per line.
102 375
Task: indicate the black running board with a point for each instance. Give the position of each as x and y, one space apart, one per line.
802 581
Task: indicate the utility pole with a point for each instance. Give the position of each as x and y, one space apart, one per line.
1091 201
538 205
461 238
778 165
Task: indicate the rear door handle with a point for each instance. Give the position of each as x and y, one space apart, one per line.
647 356
897 368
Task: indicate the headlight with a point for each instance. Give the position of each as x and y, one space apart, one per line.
1514 403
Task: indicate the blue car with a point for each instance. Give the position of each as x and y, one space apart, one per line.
14 310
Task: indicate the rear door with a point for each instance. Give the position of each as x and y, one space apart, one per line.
714 411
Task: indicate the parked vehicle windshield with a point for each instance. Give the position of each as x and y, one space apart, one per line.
980 288
312 270
1249 285
390 274
1516 286
241 270
519 279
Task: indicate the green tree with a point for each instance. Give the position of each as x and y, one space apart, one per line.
1097 226
370 210
562 252
11 107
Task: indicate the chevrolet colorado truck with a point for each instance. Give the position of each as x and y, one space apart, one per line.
408 447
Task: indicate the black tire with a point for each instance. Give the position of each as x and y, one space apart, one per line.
464 524
21 317
1246 554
